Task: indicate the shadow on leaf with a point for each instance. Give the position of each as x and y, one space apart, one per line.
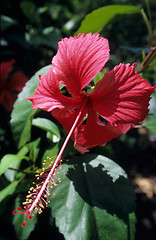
93 180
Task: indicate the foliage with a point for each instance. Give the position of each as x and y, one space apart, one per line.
94 189
98 19
95 198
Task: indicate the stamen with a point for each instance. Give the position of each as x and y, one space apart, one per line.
37 198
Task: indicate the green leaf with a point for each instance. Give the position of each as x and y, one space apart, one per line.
151 125
52 151
22 114
10 174
8 160
9 190
23 151
98 77
94 200
34 149
46 125
23 232
98 19
7 22
49 37
28 9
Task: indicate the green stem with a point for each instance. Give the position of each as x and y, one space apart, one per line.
20 171
148 58
149 12
149 29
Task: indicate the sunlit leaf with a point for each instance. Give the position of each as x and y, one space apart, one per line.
34 149
22 114
98 19
98 77
94 200
9 190
10 173
46 125
9 160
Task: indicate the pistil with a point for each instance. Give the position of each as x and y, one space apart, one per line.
40 193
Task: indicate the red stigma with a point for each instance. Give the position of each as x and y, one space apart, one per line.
23 224
14 212
22 211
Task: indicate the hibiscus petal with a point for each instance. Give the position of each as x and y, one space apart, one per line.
88 135
67 123
7 99
18 81
5 69
79 59
7 95
122 97
47 96
94 132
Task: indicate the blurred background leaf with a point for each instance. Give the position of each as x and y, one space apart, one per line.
151 125
98 19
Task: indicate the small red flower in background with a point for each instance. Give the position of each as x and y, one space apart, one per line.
9 88
120 98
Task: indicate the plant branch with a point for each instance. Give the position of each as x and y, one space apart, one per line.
149 29
21 171
149 12
148 58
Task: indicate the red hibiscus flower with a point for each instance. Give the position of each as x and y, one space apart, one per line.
120 98
118 102
10 87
